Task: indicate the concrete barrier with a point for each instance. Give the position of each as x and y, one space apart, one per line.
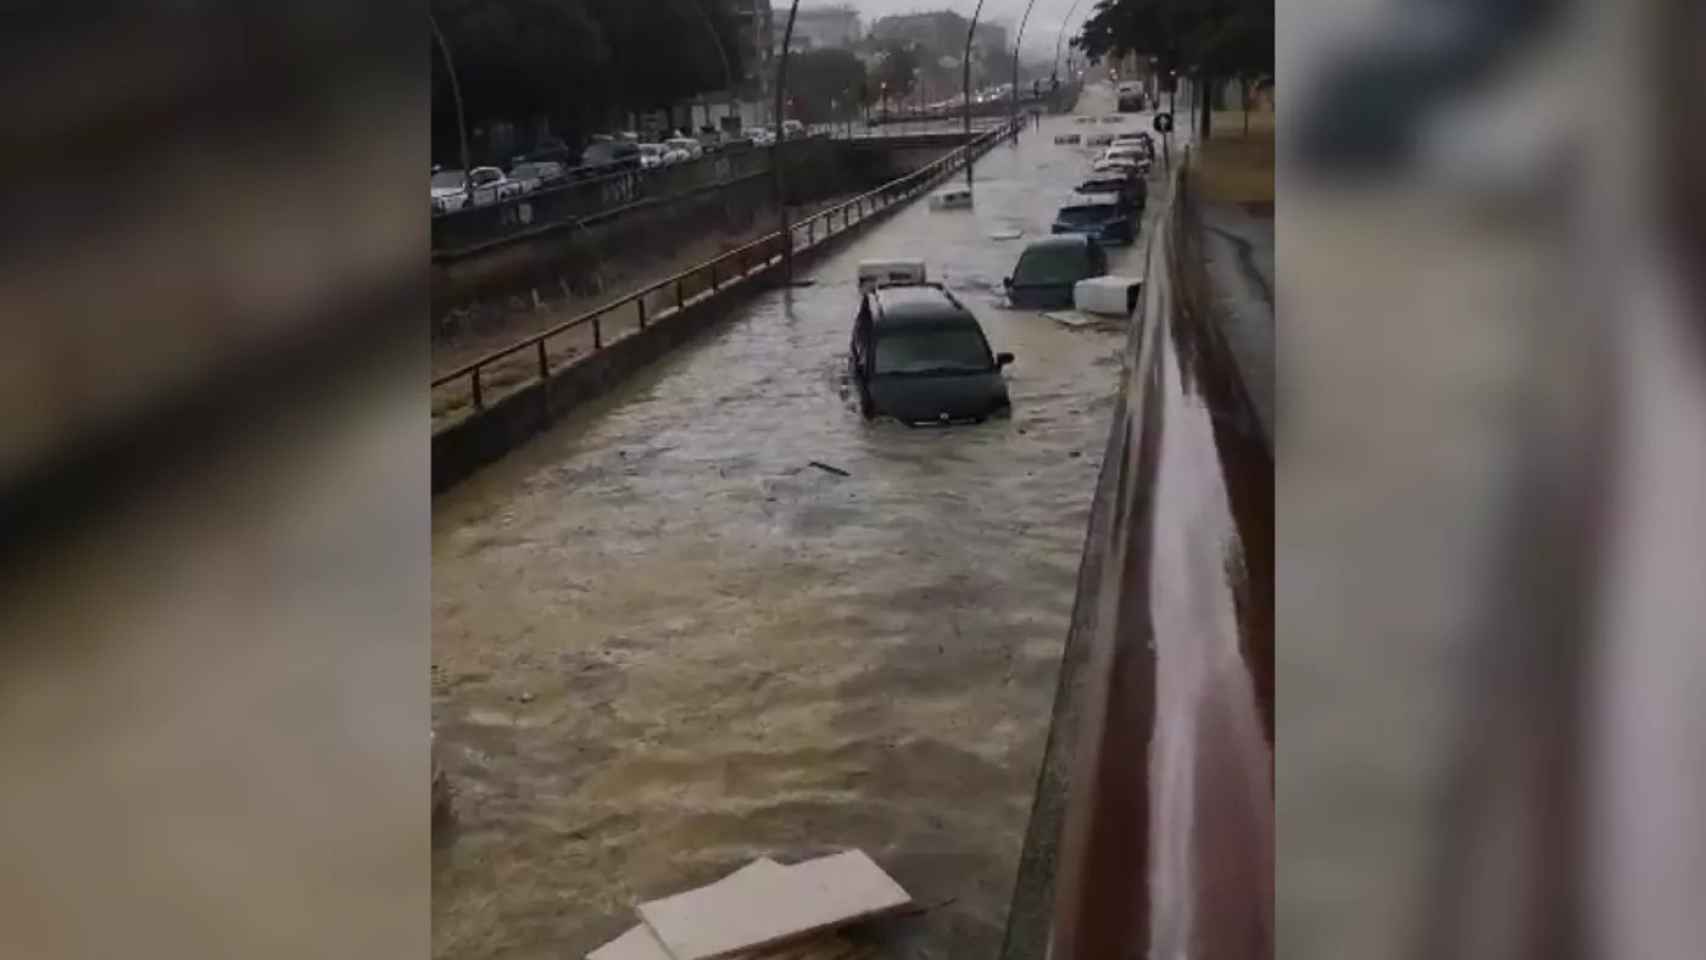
1152 829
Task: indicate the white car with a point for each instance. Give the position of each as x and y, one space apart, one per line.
1118 167
687 145
491 185
1099 139
448 191
957 197
652 155
1138 156
793 128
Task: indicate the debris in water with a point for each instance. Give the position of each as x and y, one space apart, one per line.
528 697
829 469
764 903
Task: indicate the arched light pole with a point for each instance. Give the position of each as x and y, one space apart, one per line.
455 93
1061 38
1013 111
776 145
971 31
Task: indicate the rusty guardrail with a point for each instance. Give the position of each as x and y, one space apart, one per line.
1152 834
530 359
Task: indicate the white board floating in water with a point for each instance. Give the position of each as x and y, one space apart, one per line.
1110 296
953 198
639 943
1008 234
755 908
1073 319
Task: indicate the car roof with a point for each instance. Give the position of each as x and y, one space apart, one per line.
1058 241
1094 200
917 304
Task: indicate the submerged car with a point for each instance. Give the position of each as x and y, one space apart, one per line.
1048 269
1104 216
919 356
1134 194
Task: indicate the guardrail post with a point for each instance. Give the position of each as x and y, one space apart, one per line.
597 332
479 401
680 303
811 232
640 302
713 276
544 365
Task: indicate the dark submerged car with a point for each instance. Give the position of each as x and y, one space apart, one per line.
1104 216
920 356
1048 269
1133 193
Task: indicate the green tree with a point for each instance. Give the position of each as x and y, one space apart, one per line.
580 63
898 70
819 78
1208 40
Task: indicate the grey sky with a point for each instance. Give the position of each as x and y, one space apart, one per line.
1040 32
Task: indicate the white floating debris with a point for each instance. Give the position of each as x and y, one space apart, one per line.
1111 296
755 908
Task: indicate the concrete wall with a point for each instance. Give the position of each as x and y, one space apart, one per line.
816 169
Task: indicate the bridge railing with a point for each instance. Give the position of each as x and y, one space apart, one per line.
470 388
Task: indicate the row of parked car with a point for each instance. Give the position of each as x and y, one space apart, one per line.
608 153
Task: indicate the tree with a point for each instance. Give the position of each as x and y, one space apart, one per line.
579 63
1208 40
898 70
818 78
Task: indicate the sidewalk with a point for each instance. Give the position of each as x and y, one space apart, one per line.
1239 249
1236 174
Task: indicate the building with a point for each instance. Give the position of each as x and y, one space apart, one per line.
940 31
817 28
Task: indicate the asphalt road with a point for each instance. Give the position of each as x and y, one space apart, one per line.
665 644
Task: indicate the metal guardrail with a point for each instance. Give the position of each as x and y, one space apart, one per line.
689 287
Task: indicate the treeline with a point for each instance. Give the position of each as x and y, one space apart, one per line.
580 65
1210 41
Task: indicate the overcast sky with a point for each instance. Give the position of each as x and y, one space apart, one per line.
1040 32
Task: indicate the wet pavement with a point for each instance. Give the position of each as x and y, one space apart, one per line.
665 643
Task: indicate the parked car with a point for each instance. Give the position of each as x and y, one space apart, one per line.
1133 193
1098 139
490 185
1104 216
610 156
1139 156
1047 270
919 356
1122 167
652 155
793 128
449 191
535 174
686 145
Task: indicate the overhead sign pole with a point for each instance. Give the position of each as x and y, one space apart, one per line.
776 147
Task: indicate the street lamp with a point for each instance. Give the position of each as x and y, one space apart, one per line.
883 98
461 119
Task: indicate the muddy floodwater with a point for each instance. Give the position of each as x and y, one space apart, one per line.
665 643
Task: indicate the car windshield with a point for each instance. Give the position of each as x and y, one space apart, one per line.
1086 214
482 177
931 350
525 170
1053 264
447 180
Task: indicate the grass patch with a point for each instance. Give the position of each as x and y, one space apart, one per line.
1238 168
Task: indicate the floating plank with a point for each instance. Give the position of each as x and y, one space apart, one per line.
749 910
640 943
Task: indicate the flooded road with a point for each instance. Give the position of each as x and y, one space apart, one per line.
664 643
